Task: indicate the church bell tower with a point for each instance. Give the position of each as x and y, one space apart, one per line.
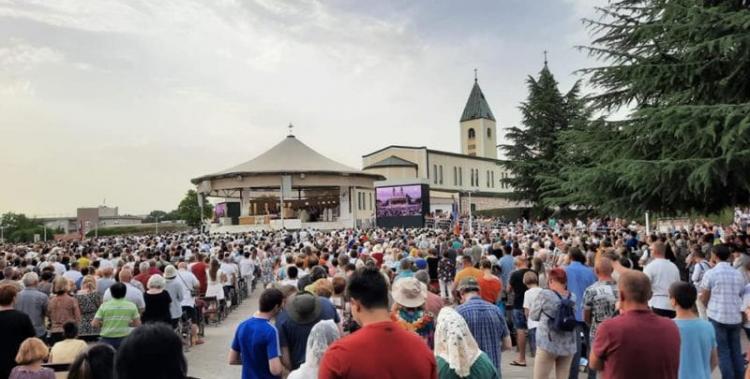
478 129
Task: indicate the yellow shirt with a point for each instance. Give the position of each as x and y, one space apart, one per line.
83 262
67 350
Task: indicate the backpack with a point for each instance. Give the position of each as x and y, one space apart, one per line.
564 319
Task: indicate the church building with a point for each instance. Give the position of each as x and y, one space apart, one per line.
471 178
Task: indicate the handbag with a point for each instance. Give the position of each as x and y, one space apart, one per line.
193 291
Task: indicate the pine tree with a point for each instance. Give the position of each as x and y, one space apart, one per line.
533 149
682 69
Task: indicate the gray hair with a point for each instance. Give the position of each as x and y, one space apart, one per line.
157 281
143 267
30 279
422 276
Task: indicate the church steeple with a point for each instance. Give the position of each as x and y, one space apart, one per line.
478 129
476 106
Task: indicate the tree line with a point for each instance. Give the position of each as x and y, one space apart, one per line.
17 227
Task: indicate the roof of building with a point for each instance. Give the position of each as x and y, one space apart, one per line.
290 156
476 106
432 151
392 161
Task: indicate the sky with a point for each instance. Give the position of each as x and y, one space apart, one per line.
124 101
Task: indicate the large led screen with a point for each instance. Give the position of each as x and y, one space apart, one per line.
398 201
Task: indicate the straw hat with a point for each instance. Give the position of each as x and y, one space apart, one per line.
409 292
170 272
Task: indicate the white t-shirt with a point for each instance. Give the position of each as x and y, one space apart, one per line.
73 275
59 268
189 281
529 298
662 274
230 270
246 267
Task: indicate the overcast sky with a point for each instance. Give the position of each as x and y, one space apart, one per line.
127 100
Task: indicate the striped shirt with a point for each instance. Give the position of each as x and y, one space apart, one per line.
726 285
116 316
487 325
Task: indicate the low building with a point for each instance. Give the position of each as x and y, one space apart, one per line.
470 179
90 218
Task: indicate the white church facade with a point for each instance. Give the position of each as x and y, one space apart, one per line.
475 173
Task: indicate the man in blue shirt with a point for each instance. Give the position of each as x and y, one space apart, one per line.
486 322
256 341
580 277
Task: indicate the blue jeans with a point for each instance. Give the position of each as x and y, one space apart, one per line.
731 363
114 342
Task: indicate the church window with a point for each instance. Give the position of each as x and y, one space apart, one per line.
489 133
441 174
472 133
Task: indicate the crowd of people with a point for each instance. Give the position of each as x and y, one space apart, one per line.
80 301
601 297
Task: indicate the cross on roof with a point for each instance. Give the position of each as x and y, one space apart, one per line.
290 129
475 74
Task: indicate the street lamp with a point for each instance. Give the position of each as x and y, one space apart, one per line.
471 216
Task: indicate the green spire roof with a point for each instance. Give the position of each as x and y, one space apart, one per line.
477 106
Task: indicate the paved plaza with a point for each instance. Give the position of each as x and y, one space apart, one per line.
210 359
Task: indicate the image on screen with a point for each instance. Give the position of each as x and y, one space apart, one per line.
398 201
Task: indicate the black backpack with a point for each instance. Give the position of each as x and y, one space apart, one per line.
564 319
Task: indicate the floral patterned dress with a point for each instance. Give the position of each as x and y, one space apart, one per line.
266 270
88 303
418 321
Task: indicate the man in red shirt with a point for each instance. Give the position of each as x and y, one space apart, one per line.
381 349
144 273
638 343
198 269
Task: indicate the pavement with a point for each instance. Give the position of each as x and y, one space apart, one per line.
209 360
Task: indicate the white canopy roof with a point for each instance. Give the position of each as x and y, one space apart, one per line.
288 157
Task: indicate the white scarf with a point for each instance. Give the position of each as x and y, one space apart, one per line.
454 342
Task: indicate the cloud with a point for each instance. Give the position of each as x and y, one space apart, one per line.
129 99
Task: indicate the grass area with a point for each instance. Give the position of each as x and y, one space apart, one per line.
139 229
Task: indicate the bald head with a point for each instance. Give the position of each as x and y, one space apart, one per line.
603 267
125 275
635 287
658 249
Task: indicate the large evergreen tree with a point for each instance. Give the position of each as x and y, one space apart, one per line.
682 69
533 148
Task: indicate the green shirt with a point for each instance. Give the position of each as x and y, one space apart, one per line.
481 369
116 316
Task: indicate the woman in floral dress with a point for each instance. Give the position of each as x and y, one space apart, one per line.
89 301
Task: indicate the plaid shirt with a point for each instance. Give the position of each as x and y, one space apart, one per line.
726 285
488 326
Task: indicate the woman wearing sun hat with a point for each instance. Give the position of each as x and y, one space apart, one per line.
409 295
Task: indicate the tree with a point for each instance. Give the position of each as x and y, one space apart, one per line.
189 209
157 215
19 228
533 149
682 68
